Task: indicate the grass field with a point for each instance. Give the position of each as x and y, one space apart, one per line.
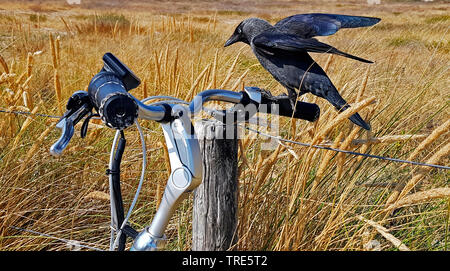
293 198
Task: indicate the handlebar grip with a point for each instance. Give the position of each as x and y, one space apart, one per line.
303 110
116 107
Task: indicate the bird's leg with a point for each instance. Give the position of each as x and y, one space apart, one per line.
286 102
292 94
288 106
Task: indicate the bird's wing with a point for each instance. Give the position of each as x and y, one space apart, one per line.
273 43
321 24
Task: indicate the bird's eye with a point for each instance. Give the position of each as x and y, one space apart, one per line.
239 31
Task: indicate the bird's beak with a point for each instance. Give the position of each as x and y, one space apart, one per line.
231 40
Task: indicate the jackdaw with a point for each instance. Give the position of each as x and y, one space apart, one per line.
282 49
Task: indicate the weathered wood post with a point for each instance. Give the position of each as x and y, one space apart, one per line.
214 226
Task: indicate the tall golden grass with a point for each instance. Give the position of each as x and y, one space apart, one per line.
291 198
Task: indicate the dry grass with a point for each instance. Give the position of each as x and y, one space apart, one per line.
291 198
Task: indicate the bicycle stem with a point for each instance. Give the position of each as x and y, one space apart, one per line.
186 174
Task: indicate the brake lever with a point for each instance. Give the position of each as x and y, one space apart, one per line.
67 128
84 127
66 124
77 106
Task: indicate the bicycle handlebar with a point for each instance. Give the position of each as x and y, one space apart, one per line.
108 94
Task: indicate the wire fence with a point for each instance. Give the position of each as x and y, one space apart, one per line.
379 157
349 152
29 113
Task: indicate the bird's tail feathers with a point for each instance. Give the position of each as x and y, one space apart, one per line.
337 52
356 119
340 104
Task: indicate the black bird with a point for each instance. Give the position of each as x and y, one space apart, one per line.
282 49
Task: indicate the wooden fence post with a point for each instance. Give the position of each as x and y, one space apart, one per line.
214 226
